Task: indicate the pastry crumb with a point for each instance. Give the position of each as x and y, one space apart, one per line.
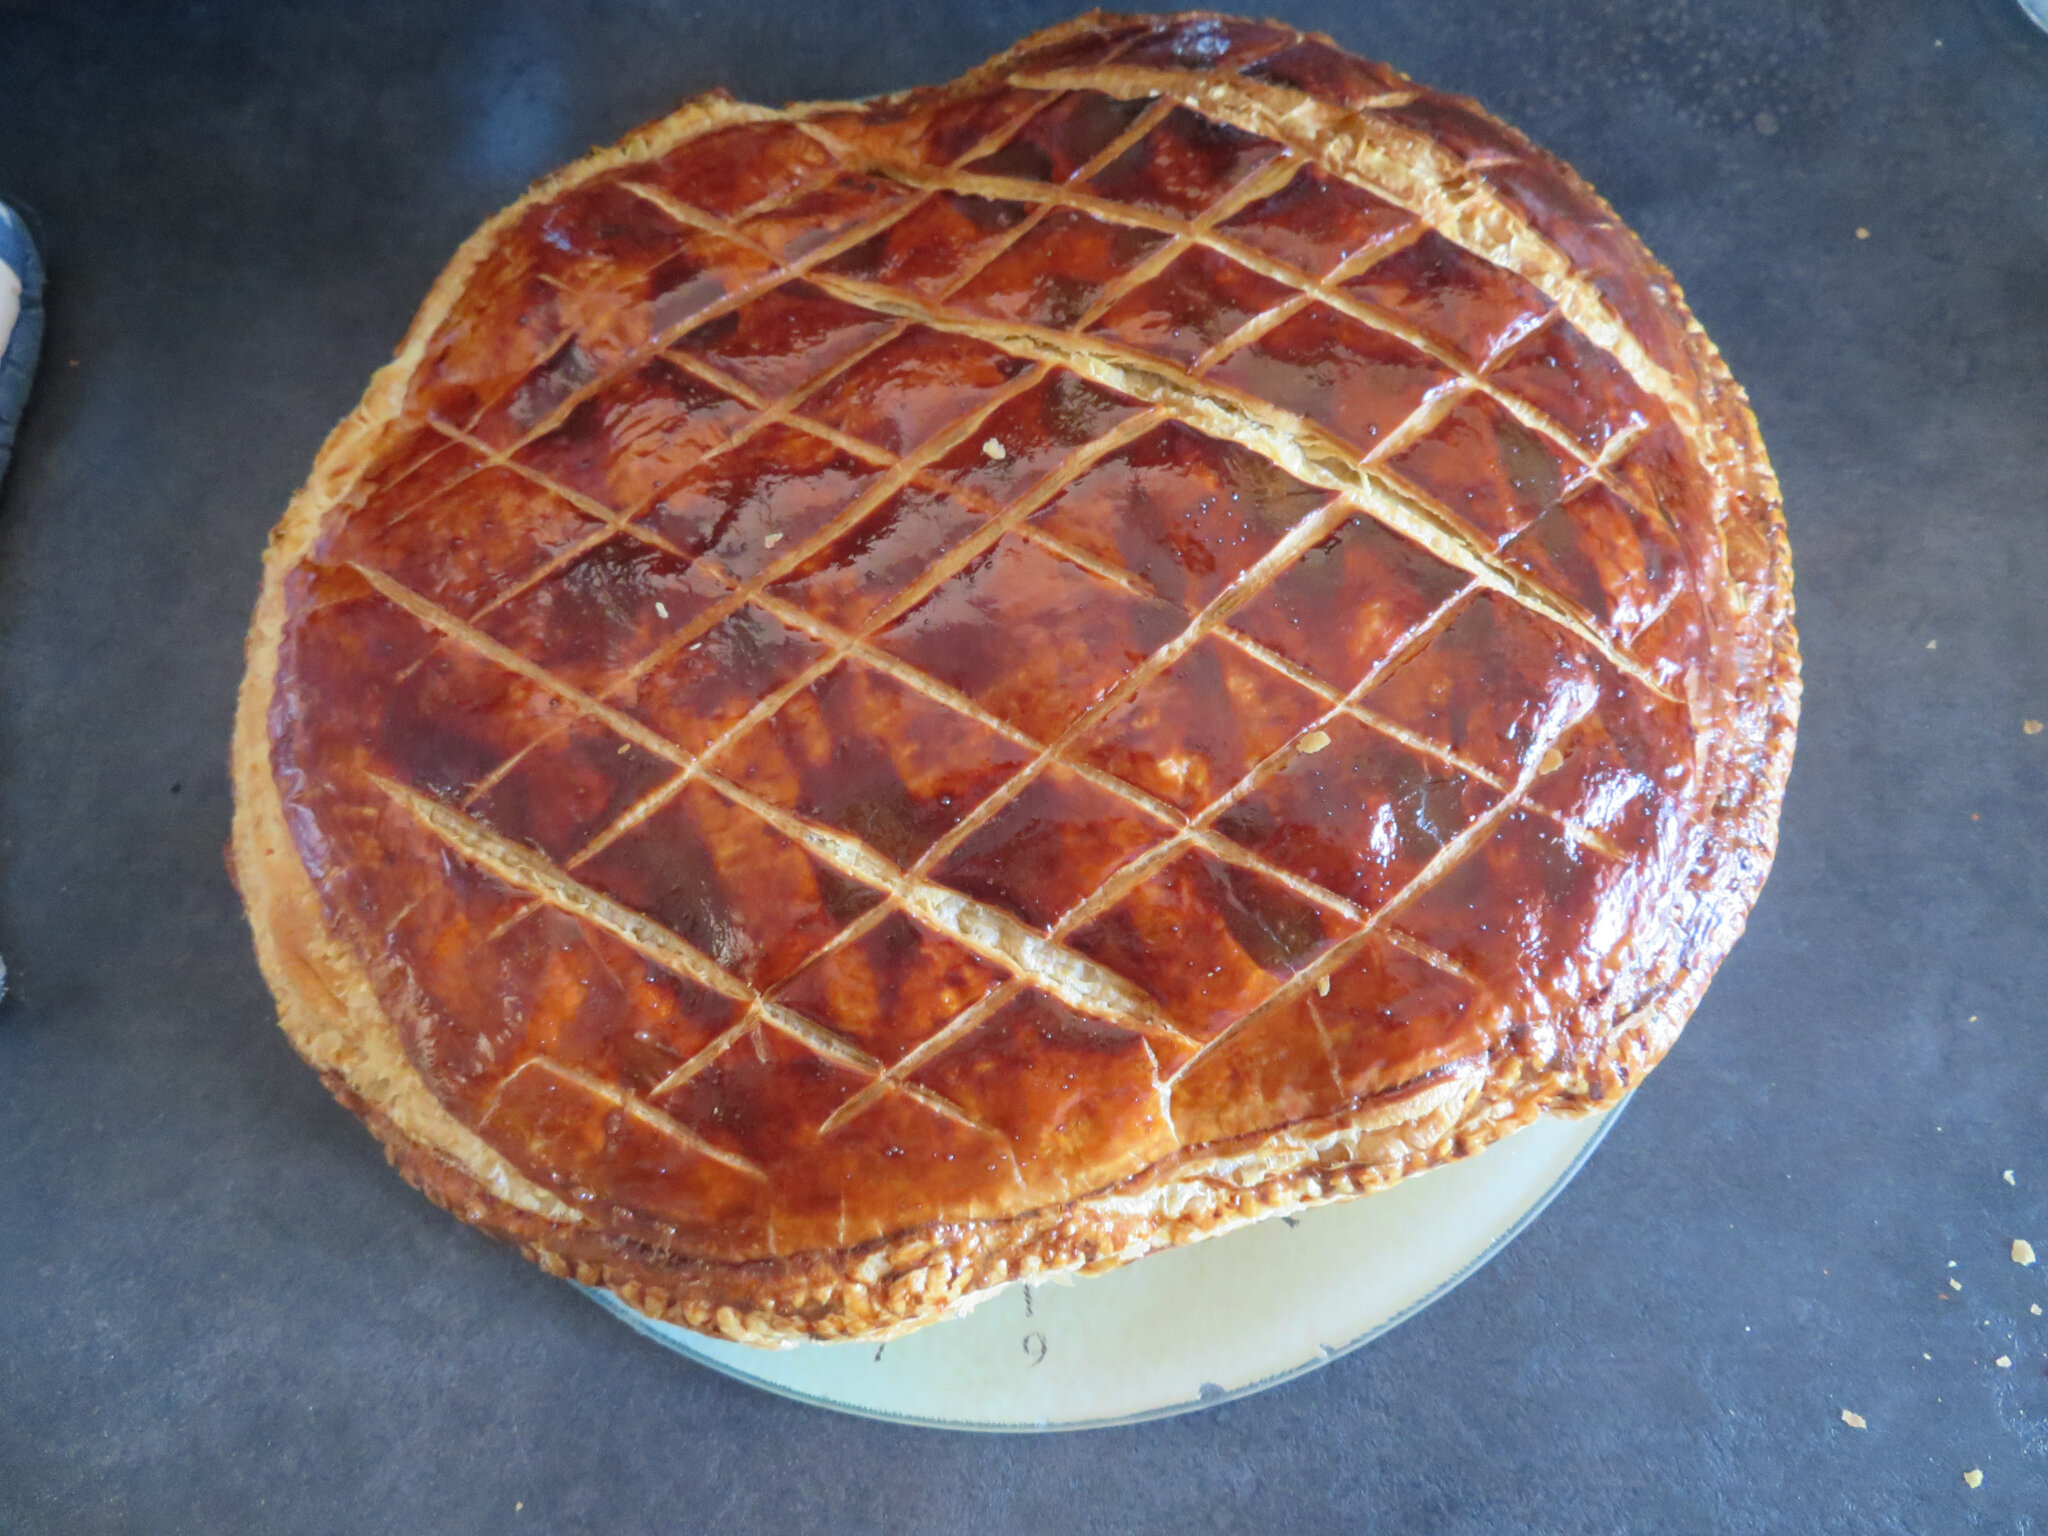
1315 741
771 541
2009 1178
995 450
2003 1362
2031 727
2035 1309
660 608
1955 1284
1322 986
1973 1478
1854 1420
1553 760
2022 1251
1933 644
1862 233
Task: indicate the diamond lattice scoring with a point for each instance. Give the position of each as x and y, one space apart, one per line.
836 724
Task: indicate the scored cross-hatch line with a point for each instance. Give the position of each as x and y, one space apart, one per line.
1264 428
1283 115
504 457
1052 970
1139 277
1130 874
780 271
1184 233
1256 187
611 521
1145 864
631 1103
942 442
1253 188
1446 859
525 869
1197 231
1305 290
1273 112
784 406
1329 898
1343 703
1596 466
1325 521
1074 979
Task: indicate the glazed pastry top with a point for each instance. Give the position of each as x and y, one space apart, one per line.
905 662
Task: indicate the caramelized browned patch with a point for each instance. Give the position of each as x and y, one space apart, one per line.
1451 296
867 754
1361 816
1316 223
1183 165
1486 468
1050 847
1074 1098
710 685
1184 513
1320 1052
1197 302
1350 603
1209 940
1200 726
925 253
1062 137
1056 272
1563 374
913 387
1328 73
745 895
892 988
1029 636
1330 369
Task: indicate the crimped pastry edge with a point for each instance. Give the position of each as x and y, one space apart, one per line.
330 1013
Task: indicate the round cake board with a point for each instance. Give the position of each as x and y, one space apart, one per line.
1183 1329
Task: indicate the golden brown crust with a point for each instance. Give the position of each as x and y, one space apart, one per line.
331 1010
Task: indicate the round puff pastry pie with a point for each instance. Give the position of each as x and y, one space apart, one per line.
891 696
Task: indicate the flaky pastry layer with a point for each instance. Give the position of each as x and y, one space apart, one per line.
333 1013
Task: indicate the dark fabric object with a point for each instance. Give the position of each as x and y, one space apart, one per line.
18 359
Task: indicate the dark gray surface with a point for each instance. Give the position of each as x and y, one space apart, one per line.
219 1312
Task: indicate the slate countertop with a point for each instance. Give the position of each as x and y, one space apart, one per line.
219 1312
